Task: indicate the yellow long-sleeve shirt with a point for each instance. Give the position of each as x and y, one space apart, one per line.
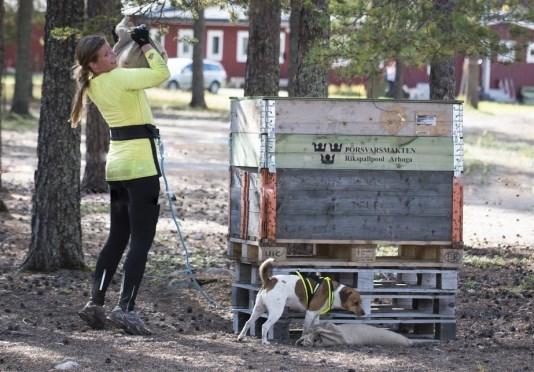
121 99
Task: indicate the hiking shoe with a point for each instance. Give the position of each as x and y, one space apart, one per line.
130 321
94 315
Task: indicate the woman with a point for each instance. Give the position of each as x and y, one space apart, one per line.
131 170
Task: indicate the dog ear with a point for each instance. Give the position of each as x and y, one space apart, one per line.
344 294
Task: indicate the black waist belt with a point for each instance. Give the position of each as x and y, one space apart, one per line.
136 132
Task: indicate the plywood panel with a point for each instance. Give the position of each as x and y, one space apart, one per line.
364 152
245 149
245 115
362 117
363 227
235 202
365 205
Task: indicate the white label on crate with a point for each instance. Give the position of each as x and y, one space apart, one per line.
426 120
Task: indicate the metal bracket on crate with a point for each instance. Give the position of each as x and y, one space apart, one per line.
268 139
458 138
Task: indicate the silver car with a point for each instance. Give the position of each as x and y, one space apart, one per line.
182 74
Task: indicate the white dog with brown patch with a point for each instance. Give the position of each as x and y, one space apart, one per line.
280 291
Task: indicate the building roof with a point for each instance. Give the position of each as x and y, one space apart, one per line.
219 14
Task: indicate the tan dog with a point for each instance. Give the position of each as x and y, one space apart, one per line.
129 54
280 291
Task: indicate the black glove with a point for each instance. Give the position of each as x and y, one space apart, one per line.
140 35
114 35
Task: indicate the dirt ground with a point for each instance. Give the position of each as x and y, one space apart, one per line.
39 327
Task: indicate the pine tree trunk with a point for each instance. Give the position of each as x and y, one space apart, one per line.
56 226
96 149
103 16
294 20
262 76
3 207
442 70
443 80
398 92
473 81
23 75
197 88
311 79
375 85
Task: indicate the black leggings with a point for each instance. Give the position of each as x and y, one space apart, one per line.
134 215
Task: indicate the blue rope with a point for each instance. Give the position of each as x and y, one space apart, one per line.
185 252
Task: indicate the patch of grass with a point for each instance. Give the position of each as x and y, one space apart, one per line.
490 141
492 261
9 87
476 166
179 99
485 262
528 283
347 91
92 208
497 108
470 284
19 123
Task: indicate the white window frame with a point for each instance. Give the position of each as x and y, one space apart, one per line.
508 57
282 46
530 53
188 33
209 52
241 55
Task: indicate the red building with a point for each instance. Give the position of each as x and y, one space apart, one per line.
225 39
10 58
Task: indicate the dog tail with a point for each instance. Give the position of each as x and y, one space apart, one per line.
265 271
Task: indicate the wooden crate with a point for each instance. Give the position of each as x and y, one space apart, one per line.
346 171
416 302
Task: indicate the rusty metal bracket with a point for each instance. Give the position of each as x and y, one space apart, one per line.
267 205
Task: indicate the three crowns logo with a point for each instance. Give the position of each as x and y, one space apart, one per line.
327 158
336 147
319 147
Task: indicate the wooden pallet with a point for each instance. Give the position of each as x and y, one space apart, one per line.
342 254
418 301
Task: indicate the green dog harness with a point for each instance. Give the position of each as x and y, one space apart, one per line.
310 290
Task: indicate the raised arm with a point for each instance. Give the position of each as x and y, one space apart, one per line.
142 78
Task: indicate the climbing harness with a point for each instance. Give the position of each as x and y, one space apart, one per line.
310 290
152 133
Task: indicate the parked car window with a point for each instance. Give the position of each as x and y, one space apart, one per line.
188 68
210 67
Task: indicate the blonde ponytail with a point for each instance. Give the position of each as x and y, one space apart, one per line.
82 78
86 52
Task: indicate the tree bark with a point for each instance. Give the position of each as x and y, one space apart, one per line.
23 75
442 69
375 85
311 79
398 92
102 15
294 20
3 207
473 81
443 80
262 76
56 223
197 88
96 149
